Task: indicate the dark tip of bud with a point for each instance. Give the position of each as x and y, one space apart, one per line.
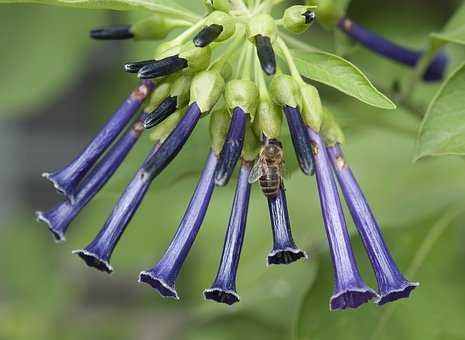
266 54
208 35
310 16
136 66
116 32
162 67
163 111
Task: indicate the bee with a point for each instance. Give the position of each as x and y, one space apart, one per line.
269 168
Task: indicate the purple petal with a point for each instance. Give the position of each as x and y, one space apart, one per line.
98 253
350 289
300 139
393 51
163 275
232 147
223 288
284 249
59 217
391 283
67 179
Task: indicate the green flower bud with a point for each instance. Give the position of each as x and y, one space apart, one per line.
268 119
163 130
161 92
297 19
181 90
219 126
262 24
206 89
222 19
166 50
227 71
252 145
155 27
219 5
243 94
330 129
197 58
285 91
328 11
312 110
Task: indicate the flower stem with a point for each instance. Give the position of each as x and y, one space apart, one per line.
290 61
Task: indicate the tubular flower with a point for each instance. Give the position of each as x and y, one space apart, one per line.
67 179
244 92
388 49
391 283
223 288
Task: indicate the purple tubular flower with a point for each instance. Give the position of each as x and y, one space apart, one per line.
67 179
232 147
300 140
391 283
393 51
284 249
223 288
97 254
350 289
59 218
163 275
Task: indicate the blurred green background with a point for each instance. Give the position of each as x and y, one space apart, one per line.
57 87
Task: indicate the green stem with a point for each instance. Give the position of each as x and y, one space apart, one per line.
420 68
297 43
260 79
240 62
247 70
290 61
187 34
231 50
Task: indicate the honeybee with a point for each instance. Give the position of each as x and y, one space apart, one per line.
269 168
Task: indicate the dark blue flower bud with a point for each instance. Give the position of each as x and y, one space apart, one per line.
232 147
67 179
163 275
115 32
393 51
207 35
162 67
136 66
163 111
223 288
266 54
300 140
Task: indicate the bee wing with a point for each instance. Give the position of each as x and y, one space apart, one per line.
256 172
284 171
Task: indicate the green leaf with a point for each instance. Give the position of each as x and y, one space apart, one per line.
339 73
165 6
434 258
454 31
443 129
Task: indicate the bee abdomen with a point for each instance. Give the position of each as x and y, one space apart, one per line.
270 186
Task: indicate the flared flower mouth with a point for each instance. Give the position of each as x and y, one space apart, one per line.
58 235
159 285
286 256
93 260
245 93
228 297
397 294
351 298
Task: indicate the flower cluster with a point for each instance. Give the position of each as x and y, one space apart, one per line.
224 66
